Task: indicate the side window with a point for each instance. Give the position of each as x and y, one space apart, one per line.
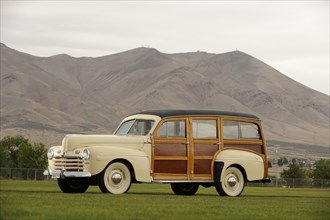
204 128
172 129
244 130
249 130
230 129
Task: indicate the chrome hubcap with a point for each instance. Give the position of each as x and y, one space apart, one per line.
232 181
116 178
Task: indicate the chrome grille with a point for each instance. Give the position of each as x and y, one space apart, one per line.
69 164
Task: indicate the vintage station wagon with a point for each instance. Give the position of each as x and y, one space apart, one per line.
185 148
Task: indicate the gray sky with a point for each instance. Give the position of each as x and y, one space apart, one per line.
291 36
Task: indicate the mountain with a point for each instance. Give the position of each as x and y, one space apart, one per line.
45 97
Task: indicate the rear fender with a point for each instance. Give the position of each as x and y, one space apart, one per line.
252 164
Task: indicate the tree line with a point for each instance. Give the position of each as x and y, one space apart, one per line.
296 170
318 175
18 152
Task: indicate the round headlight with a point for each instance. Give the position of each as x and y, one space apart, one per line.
86 154
50 154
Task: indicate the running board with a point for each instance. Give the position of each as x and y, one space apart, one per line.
182 181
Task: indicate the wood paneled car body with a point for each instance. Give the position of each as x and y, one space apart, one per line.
186 148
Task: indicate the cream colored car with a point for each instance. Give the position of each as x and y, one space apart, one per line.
186 148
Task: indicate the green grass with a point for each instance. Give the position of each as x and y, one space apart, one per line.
43 200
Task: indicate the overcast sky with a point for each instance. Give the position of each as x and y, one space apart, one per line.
291 36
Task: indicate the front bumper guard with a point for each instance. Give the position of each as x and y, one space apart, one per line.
55 174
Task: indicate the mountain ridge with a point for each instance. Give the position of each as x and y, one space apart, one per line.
88 94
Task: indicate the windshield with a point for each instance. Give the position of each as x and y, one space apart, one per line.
135 127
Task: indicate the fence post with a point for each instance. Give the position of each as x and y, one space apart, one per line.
276 181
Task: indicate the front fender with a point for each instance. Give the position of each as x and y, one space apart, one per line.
102 156
252 163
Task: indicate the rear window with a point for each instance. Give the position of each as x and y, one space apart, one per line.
237 129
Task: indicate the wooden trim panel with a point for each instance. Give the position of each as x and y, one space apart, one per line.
171 166
170 149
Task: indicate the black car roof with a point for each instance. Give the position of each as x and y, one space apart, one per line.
185 112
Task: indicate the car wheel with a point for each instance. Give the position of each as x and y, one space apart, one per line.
73 185
232 183
115 179
187 189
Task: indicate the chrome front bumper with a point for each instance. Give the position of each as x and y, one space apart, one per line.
62 173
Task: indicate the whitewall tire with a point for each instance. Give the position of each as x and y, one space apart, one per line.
232 183
115 179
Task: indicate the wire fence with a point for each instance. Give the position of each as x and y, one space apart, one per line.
22 174
37 174
294 183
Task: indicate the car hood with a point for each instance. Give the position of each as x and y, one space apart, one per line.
72 142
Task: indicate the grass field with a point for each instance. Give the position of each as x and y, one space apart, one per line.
43 200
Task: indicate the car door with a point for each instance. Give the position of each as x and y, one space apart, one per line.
170 150
204 143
